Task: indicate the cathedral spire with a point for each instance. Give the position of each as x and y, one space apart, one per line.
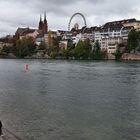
45 16
40 18
40 27
45 23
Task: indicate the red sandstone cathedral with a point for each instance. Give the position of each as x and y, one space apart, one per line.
43 25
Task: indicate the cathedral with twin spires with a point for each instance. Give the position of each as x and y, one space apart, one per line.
43 25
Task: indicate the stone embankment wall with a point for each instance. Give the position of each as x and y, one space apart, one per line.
131 56
111 57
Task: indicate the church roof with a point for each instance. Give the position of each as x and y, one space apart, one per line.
24 31
21 30
28 31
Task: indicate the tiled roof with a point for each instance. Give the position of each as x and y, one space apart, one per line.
21 30
116 25
109 26
24 31
28 31
124 21
112 26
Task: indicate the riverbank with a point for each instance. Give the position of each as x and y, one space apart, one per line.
44 55
131 56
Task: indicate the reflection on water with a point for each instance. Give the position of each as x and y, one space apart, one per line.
70 100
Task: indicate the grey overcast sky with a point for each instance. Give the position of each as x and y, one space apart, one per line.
23 13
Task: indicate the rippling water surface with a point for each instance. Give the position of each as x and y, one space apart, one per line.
70 100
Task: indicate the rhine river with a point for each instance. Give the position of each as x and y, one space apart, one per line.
70 100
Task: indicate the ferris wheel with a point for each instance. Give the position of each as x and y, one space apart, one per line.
74 23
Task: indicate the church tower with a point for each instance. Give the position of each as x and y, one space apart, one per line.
40 27
45 26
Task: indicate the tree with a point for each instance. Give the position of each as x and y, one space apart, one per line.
97 46
24 47
53 55
87 43
70 44
8 49
133 40
117 54
96 53
78 51
56 41
42 46
65 53
50 42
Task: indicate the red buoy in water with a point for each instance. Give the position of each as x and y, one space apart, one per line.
26 67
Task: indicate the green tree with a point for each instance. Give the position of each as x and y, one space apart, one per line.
24 47
8 49
42 46
56 41
133 40
117 54
65 53
79 50
70 44
53 54
96 53
97 46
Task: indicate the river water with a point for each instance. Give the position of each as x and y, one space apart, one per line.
70 100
